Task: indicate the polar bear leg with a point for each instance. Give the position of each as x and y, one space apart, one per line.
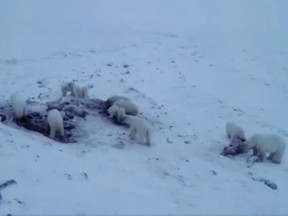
148 138
271 156
76 91
120 114
64 91
258 153
276 157
84 92
52 133
143 139
133 133
261 155
143 135
55 122
56 132
18 104
61 131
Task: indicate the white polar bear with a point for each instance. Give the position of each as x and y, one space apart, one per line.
67 87
129 107
18 104
111 100
55 121
138 127
234 131
74 89
116 112
262 144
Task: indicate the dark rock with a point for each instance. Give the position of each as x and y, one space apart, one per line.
68 125
270 184
68 115
3 117
85 175
213 172
7 183
267 182
19 201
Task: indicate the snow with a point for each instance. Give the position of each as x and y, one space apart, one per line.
193 65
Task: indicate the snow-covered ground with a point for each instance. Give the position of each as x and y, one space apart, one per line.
193 65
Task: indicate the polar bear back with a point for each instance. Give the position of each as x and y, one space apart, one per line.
111 100
129 119
268 143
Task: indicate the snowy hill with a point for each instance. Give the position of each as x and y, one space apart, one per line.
190 66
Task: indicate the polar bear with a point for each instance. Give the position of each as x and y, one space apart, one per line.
55 121
129 107
67 87
18 104
138 127
234 131
117 113
111 100
262 144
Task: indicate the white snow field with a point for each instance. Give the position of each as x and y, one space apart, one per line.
190 65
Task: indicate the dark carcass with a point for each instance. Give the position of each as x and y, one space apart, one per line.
235 147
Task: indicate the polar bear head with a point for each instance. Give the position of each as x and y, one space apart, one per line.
251 142
112 111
